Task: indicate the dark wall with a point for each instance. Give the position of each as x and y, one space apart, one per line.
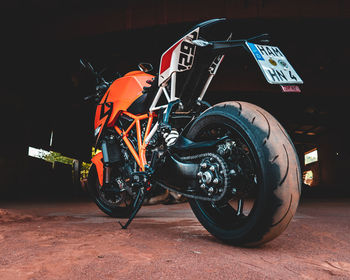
43 87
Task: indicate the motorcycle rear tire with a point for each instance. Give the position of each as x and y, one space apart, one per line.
280 178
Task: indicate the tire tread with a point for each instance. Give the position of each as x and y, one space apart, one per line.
279 156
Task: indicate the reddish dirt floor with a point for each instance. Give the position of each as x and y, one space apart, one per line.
74 240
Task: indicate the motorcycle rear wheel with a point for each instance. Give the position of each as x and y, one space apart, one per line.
269 175
108 204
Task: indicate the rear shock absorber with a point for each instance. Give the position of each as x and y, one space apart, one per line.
171 137
169 134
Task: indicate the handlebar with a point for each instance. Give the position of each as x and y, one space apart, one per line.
86 64
101 84
86 98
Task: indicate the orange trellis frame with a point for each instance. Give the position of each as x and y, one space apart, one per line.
139 156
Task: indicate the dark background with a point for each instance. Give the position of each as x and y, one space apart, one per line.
42 87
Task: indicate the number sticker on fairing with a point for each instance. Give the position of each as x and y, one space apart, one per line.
179 57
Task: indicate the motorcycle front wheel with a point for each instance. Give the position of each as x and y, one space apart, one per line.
109 199
265 179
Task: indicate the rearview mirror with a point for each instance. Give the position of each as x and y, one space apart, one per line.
82 63
86 64
145 67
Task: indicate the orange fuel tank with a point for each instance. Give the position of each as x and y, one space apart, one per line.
120 95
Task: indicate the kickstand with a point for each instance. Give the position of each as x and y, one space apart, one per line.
136 207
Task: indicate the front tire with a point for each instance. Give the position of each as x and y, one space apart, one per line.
116 206
269 165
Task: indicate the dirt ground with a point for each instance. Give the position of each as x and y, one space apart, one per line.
74 240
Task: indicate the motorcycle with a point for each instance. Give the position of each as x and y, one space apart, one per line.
234 161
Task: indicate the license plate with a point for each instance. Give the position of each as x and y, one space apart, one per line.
274 65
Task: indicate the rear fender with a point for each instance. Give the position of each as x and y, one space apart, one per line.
97 160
